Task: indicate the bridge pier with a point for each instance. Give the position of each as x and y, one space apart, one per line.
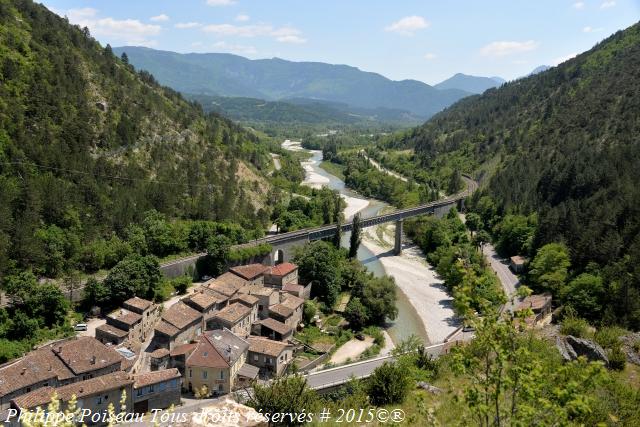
397 250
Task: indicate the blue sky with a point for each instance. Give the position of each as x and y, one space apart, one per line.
401 39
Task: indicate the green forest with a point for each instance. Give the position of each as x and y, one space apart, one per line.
557 156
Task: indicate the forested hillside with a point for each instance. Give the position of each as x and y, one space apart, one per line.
89 147
562 145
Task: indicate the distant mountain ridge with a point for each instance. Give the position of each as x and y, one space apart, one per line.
277 79
467 83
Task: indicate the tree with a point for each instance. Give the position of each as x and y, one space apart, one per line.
284 395
549 268
309 311
133 276
379 297
319 262
95 294
125 58
515 234
218 249
585 294
480 239
473 222
337 237
356 314
356 235
389 384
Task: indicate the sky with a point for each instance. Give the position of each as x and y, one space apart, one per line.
401 39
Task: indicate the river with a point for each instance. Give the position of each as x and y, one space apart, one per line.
408 322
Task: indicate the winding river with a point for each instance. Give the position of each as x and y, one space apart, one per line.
408 322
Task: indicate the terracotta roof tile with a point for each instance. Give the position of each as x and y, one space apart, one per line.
233 313
166 328
274 325
181 315
283 269
266 346
227 284
139 303
203 300
42 397
281 310
148 378
35 367
217 349
112 330
250 271
125 316
84 354
159 353
246 299
293 287
292 301
183 349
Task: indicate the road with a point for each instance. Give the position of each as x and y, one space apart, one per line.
500 266
382 168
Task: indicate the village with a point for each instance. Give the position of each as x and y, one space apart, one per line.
226 333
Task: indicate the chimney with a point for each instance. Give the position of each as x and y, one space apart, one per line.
93 360
24 371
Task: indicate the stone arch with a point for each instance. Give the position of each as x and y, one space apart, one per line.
278 257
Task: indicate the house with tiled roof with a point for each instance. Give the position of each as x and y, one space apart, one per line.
143 392
179 324
271 357
227 284
236 317
136 318
300 291
250 301
266 298
281 274
273 329
253 273
55 365
215 362
288 311
206 303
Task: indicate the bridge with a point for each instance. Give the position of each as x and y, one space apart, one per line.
282 244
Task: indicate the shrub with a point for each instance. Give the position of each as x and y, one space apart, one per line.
617 359
181 284
376 333
609 336
575 326
389 384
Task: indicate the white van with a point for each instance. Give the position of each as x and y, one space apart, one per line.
80 327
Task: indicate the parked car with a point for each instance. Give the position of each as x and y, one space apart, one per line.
80 327
360 337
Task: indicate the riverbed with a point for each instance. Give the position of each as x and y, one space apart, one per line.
424 307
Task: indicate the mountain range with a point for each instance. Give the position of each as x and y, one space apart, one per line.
471 84
276 79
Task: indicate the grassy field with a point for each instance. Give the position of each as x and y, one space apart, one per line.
333 168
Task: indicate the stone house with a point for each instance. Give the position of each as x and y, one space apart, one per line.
227 284
273 329
266 298
272 357
252 273
215 362
300 291
133 322
204 302
251 302
55 365
289 311
156 390
540 304
236 317
179 324
281 274
516 263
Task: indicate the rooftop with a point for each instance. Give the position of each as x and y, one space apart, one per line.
183 349
292 301
535 302
249 371
227 284
125 316
274 325
281 310
250 271
204 300
112 330
246 299
166 328
34 367
84 354
233 313
148 378
283 269
159 353
217 349
266 346
518 259
42 396
293 287
180 315
139 303
259 290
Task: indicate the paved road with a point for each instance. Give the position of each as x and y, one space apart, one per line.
500 266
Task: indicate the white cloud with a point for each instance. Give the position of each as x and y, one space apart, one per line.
160 18
282 34
129 31
564 58
242 18
220 2
184 25
235 48
588 29
607 4
504 48
578 5
408 25
430 56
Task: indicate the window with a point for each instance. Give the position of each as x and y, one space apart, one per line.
269 360
221 375
98 400
139 392
106 397
162 386
151 388
255 358
204 375
220 387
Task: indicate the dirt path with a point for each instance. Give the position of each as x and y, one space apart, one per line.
351 350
